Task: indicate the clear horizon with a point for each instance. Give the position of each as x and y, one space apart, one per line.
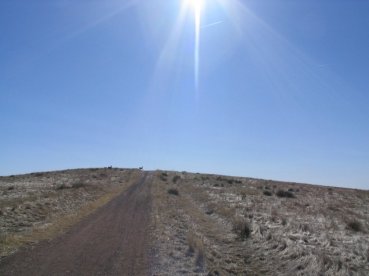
192 172
265 89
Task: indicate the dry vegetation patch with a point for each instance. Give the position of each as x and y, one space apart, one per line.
260 227
40 206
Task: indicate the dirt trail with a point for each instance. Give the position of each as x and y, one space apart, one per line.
111 241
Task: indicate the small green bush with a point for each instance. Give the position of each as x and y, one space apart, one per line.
267 193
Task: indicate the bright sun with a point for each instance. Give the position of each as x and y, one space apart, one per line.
195 4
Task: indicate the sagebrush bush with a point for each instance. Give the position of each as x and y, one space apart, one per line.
62 187
78 184
173 192
354 225
281 193
267 193
176 178
242 228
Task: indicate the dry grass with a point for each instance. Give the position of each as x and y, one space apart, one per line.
49 218
241 227
195 243
11 242
320 232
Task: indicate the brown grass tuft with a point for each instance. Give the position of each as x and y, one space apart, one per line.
241 227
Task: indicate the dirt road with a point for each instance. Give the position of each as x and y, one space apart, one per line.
112 241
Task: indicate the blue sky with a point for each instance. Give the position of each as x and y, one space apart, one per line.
282 89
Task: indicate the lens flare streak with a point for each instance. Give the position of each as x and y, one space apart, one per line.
197 11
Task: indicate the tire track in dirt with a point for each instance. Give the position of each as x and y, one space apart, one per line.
112 241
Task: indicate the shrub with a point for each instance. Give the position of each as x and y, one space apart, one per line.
173 192
354 225
163 176
37 174
196 244
78 184
176 178
242 228
209 212
281 193
62 187
75 185
267 193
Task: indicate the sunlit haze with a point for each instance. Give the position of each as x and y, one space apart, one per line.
268 89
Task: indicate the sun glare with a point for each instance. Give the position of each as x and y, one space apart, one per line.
197 6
